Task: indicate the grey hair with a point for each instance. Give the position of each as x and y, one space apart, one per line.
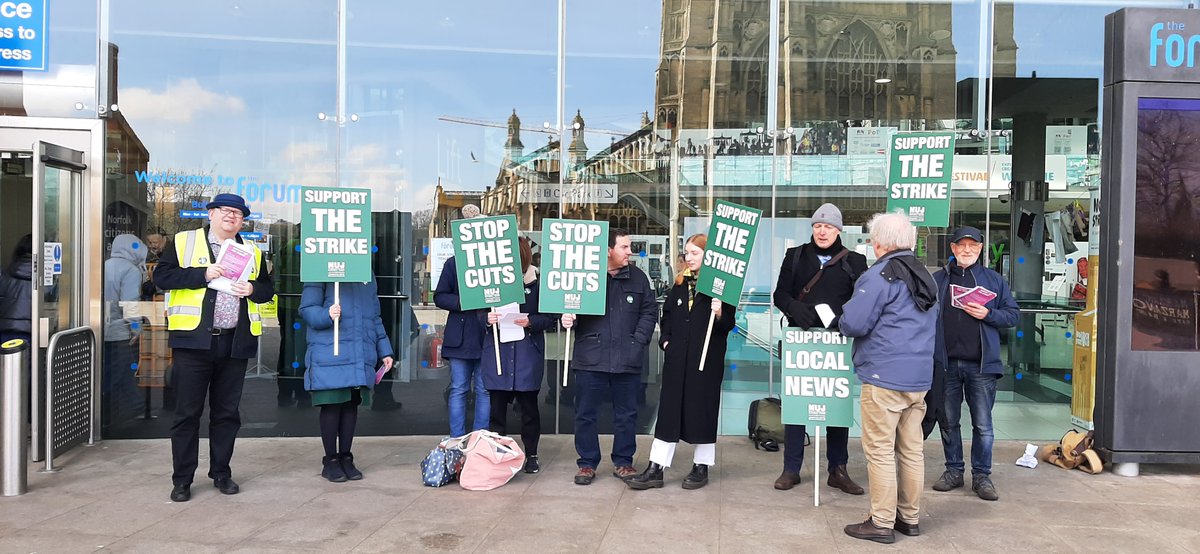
892 231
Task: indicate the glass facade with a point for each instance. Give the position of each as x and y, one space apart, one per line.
664 107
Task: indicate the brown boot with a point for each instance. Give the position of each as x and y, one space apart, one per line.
839 479
787 480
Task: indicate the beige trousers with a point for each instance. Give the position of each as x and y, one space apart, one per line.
892 445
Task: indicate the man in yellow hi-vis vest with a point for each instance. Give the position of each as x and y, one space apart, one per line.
212 336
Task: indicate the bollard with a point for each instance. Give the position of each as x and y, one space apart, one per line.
14 450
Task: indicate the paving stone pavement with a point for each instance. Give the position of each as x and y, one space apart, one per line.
113 497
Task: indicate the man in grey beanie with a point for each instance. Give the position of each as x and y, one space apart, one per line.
821 272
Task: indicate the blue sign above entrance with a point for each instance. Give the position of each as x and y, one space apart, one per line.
24 29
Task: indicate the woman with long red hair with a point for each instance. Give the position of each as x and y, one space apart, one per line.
690 399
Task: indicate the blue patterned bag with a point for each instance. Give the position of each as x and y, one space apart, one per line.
443 464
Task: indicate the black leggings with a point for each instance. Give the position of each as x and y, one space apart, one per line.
337 425
531 420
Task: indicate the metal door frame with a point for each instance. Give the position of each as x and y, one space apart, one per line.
86 135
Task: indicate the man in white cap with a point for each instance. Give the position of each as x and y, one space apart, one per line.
820 272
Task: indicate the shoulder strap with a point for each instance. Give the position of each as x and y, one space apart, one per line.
813 282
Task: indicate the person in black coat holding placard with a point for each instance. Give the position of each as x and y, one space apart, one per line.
690 399
839 268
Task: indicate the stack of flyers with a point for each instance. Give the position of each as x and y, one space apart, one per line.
961 296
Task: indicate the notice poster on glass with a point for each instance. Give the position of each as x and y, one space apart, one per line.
1166 267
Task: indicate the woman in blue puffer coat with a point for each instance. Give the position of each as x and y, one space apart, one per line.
341 383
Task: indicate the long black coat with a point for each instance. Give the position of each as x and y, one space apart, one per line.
690 401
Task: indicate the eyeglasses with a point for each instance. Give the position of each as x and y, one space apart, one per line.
231 212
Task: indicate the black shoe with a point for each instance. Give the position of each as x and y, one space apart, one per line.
531 464
352 473
181 493
868 531
983 487
226 485
652 478
949 481
332 469
697 478
907 529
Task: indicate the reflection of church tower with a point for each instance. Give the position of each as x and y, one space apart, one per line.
577 153
513 148
839 60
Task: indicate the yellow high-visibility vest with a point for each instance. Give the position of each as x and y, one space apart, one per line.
184 306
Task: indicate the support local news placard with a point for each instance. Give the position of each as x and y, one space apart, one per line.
730 242
488 262
818 376
574 267
335 231
919 173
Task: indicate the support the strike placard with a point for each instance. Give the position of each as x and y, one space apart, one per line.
488 262
574 272
335 238
335 234
919 174
818 380
726 258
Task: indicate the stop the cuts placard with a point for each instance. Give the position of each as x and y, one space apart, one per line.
574 266
488 261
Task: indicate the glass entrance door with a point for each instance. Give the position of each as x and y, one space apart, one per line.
56 272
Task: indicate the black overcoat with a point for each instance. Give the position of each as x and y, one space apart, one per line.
690 400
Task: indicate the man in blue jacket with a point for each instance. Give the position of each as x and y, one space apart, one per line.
608 356
968 359
892 316
462 346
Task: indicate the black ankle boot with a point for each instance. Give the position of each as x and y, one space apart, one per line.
697 478
652 478
352 473
332 469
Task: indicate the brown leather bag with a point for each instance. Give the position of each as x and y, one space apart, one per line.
1073 451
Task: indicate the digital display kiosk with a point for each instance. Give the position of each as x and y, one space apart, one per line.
1148 358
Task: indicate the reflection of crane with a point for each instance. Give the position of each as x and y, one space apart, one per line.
545 128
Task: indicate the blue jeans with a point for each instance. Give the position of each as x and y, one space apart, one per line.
964 380
592 388
463 375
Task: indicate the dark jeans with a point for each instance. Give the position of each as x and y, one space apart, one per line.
964 380
531 418
835 450
195 375
591 389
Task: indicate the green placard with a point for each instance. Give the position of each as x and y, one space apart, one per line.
730 241
335 232
574 267
919 172
488 261
818 378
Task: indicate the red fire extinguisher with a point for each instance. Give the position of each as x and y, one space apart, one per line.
435 352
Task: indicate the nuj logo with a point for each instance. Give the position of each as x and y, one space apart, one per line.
1177 49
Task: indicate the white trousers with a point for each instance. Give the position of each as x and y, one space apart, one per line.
662 452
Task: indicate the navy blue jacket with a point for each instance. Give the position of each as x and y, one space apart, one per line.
362 340
463 336
893 334
616 341
1002 313
522 362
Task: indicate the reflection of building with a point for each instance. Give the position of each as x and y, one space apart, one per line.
839 61
622 184
128 209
